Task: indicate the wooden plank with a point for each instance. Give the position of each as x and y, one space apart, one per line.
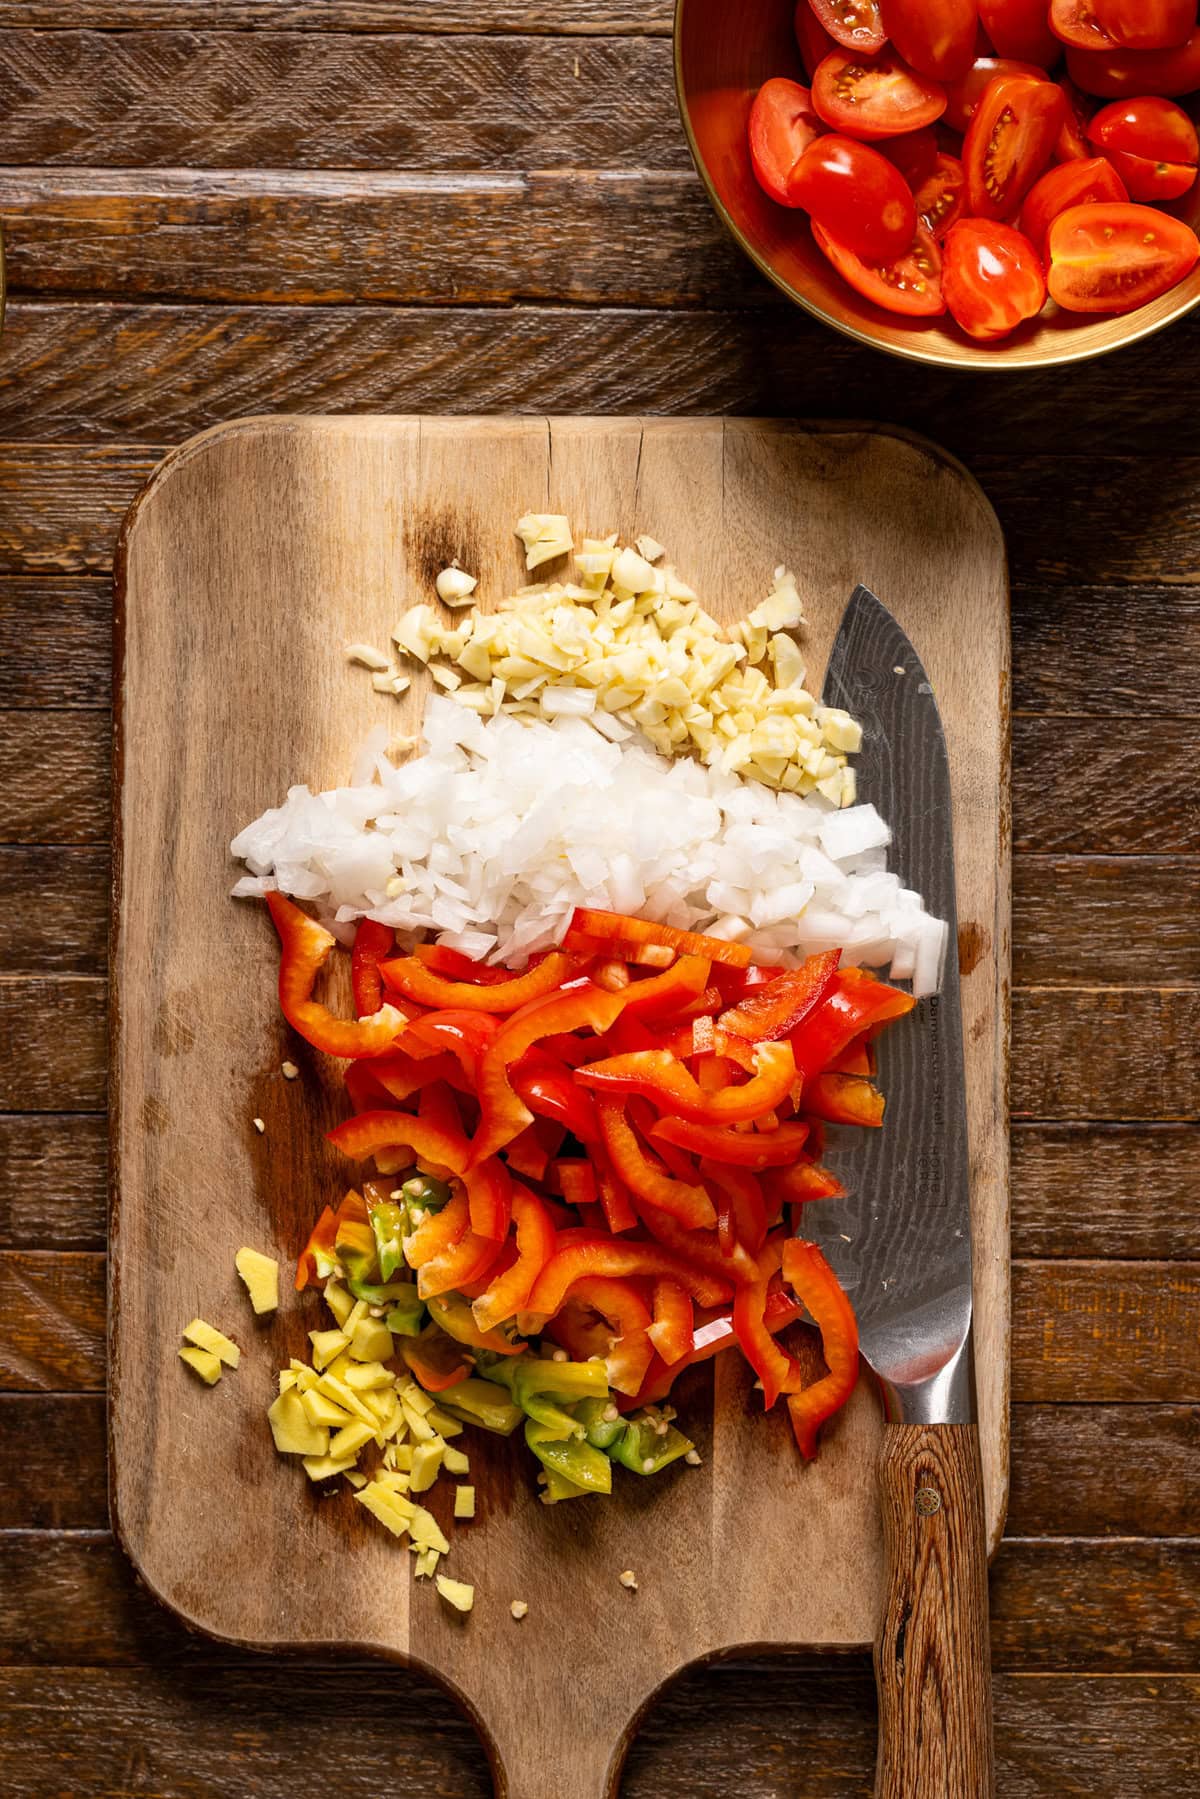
55 637
279 99
1071 919
1120 518
1072 1325
1062 1455
65 928
551 17
71 1600
1105 1190
65 505
1097 653
100 373
637 237
53 1181
55 772
1071 1055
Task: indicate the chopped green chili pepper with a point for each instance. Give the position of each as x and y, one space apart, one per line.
647 1449
567 1381
425 1192
388 1221
406 1321
397 1293
556 1486
477 1402
601 1421
576 1460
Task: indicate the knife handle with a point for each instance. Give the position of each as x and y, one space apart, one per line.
932 1658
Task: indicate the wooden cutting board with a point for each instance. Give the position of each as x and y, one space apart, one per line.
255 553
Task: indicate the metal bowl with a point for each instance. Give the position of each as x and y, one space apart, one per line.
723 54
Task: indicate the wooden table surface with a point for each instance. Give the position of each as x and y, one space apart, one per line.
217 207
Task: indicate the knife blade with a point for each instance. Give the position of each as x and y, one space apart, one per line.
900 1241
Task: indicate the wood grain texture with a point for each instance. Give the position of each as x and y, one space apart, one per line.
51 1321
55 642
334 508
53 1181
55 777
932 1656
102 372
291 99
65 931
552 17
53 1029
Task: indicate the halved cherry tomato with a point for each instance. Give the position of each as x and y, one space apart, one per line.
1077 23
1152 181
914 153
936 36
874 99
1113 258
1147 126
940 199
1073 145
855 24
1114 74
912 284
782 126
1019 28
814 41
849 188
964 95
1147 24
992 277
1009 142
1067 184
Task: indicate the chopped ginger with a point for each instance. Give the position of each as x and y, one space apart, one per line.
204 1336
260 1274
464 1502
204 1363
456 1592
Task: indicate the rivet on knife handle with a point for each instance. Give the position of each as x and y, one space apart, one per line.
932 1661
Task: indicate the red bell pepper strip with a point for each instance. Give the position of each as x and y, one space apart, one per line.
305 948
645 1175
711 1337
590 929
321 1241
806 1270
579 1255
843 1099
365 1092
778 1371
503 1114
408 975
452 965
807 1180
775 1010
398 1076
628 1355
643 1117
536 1238
373 943
550 1090
616 1201
467 1260
858 1059
437 1107
489 1198
663 1079
465 1035
371 1132
612 975
439 1231
672 1332
742 1149
574 1180
436 1360
700 1249
527 1154
855 1002
741 1208
662 994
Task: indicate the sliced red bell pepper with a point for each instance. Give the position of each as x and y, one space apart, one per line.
373 943
741 1208
590 930
320 1243
843 1099
536 1238
439 1231
410 976
366 1093
700 1249
858 1059
467 1260
579 1255
616 1201
372 1132
778 1371
503 1114
452 965
464 1035
398 1075
672 1332
549 1089
305 948
527 1154
855 1002
775 1010
643 1117
628 1035
644 1174
611 974
742 1149
435 1359
574 1179
659 995
712 1335
663 1079
807 1180
627 1357
489 1197
806 1270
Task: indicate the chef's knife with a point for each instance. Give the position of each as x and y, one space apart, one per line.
901 1242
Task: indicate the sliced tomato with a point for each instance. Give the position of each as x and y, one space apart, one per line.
937 37
857 193
880 98
1113 257
941 198
855 24
1116 74
912 284
1011 136
1147 24
1020 28
1073 145
814 41
1066 185
991 277
1150 181
964 95
1077 23
1146 126
915 154
782 126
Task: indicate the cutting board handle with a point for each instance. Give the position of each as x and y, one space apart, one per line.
932 1660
